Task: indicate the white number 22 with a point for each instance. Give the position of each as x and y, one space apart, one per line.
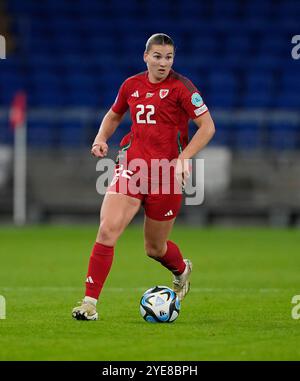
148 114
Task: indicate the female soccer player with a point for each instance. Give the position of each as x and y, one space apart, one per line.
161 102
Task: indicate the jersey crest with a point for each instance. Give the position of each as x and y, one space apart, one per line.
163 93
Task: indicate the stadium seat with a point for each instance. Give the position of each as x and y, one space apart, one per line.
247 136
41 133
71 133
237 53
284 135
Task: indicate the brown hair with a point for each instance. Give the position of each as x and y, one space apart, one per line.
159 39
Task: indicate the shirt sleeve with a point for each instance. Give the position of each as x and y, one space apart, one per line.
120 105
191 100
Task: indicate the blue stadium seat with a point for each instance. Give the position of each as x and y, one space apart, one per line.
228 9
222 79
290 80
259 80
8 90
247 136
223 89
40 133
272 43
49 98
288 99
71 133
78 53
259 98
284 135
238 45
221 99
6 133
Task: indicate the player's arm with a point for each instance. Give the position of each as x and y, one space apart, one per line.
108 126
206 130
110 122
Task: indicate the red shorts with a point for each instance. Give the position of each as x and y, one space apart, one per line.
161 202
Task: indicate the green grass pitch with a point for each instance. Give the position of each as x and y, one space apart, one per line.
239 306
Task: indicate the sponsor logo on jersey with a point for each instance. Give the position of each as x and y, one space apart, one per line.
169 213
200 110
196 99
135 94
163 93
149 95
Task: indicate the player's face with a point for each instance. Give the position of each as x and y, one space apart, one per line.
159 61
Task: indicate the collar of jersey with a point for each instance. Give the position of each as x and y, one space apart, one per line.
158 84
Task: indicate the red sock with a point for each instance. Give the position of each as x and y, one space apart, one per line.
173 259
99 266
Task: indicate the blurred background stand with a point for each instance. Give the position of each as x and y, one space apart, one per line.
70 57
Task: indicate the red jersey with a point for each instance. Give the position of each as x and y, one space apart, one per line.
160 113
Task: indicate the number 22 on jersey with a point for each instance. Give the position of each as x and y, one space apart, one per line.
144 114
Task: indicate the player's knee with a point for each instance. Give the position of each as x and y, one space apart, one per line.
153 250
109 232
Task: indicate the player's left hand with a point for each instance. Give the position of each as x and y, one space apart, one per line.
182 171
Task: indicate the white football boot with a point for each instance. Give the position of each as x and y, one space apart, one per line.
181 283
86 311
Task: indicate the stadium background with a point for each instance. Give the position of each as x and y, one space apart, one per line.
71 60
70 57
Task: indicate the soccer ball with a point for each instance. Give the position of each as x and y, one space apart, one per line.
159 304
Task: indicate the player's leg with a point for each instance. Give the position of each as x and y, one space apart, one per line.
116 213
158 247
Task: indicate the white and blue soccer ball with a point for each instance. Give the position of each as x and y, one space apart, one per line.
159 304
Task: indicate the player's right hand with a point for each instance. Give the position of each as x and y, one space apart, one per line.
182 171
99 149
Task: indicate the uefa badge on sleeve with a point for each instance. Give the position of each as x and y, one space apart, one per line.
196 99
